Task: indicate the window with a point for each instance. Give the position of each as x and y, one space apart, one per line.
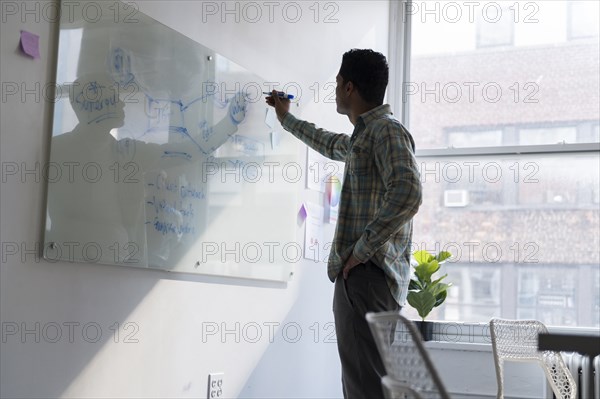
505 117
552 135
476 285
551 296
482 138
495 26
583 19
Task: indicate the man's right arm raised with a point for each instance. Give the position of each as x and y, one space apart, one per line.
329 144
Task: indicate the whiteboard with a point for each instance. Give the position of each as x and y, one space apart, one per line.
163 154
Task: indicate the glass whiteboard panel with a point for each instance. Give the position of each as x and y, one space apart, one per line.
162 155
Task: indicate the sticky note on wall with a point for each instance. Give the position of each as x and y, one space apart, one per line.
30 44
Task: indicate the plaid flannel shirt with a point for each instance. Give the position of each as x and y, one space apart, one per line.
381 192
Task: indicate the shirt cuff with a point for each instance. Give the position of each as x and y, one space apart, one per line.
362 251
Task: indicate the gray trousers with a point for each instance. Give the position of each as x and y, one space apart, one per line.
365 290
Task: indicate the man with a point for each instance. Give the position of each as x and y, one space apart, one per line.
381 192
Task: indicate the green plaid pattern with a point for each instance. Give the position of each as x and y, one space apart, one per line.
381 192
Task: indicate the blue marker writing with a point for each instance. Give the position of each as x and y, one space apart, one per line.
281 94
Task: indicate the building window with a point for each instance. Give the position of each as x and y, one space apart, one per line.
551 296
495 26
481 138
583 19
551 135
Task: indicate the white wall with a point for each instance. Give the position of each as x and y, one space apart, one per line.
164 314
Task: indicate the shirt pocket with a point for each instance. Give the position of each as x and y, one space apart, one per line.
360 162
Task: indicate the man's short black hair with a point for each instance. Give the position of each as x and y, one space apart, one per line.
368 71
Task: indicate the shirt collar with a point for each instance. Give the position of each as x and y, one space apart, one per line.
375 113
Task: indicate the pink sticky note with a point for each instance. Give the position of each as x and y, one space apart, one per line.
30 44
302 214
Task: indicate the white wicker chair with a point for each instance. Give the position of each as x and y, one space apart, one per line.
517 340
410 372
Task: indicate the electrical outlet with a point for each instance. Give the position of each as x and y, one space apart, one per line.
215 385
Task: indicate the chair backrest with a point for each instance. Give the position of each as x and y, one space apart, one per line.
405 358
517 340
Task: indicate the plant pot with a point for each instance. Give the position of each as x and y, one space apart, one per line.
425 328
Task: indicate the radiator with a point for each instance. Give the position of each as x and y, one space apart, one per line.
586 373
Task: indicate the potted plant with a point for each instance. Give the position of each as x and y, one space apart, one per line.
425 293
